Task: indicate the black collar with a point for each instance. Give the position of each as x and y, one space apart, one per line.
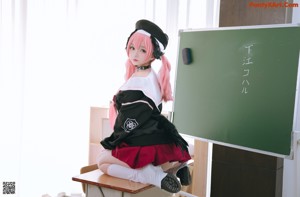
143 67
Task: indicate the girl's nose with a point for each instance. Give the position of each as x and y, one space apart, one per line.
136 54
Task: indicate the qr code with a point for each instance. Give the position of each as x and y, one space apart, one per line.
9 187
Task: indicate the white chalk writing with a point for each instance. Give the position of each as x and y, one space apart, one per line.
246 67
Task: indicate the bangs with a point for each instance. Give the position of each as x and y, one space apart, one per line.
138 39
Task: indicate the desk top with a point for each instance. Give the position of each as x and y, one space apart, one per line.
96 177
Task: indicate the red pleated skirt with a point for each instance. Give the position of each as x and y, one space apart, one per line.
140 156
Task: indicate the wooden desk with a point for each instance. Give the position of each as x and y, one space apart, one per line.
102 185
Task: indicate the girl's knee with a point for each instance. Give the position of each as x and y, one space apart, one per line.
104 168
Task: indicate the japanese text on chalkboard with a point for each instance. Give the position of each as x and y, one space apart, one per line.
246 68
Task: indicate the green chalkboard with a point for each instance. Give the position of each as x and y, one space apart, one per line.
240 87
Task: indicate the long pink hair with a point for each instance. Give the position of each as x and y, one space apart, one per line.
136 40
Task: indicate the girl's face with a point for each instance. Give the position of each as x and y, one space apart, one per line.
138 55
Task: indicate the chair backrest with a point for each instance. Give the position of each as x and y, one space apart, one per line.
86 169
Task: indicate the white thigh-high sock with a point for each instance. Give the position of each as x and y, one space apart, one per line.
149 174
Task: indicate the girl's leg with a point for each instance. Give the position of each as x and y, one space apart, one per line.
149 175
169 165
105 158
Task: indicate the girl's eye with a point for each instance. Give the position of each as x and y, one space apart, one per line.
143 50
131 47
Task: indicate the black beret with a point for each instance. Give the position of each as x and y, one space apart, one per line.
154 30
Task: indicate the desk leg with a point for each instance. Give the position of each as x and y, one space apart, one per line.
95 191
199 181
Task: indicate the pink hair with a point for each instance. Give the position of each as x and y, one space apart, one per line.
164 79
164 73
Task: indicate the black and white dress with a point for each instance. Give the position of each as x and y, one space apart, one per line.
141 134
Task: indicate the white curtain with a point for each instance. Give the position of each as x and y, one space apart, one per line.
56 56
57 59
11 88
75 55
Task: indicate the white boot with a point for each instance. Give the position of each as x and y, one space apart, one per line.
148 175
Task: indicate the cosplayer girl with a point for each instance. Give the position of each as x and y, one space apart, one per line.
145 146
